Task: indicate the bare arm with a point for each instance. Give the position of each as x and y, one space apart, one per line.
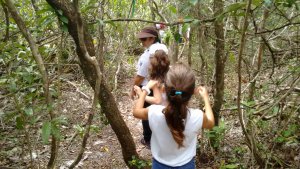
156 98
136 81
138 110
208 116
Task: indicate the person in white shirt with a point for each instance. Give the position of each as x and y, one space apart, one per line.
158 68
175 127
150 40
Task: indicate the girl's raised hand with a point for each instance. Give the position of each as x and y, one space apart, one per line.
137 90
202 91
151 83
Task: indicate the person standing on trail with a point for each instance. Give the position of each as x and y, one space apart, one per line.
151 42
175 126
158 68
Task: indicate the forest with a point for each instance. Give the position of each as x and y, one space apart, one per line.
67 68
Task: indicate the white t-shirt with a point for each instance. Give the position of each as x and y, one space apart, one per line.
144 61
163 147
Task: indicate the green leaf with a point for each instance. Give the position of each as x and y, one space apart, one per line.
48 8
172 9
64 28
231 166
185 28
235 7
64 19
256 2
231 57
60 12
287 133
177 37
188 19
249 104
28 111
194 2
280 139
59 120
3 81
46 131
19 123
13 86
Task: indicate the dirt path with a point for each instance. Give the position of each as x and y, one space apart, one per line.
103 149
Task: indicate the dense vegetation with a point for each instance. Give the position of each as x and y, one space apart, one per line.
247 52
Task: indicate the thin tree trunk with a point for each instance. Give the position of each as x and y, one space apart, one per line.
220 60
101 37
38 58
93 61
6 22
190 47
201 46
107 101
175 51
259 57
249 138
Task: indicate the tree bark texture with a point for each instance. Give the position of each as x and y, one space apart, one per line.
6 22
107 101
201 46
220 60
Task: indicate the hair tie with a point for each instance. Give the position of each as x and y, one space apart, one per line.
178 92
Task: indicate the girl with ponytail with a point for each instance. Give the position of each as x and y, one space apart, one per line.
158 68
175 126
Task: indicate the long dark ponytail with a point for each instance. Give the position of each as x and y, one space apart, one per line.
179 85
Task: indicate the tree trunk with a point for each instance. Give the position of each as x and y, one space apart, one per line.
259 57
101 37
220 60
201 46
6 22
175 51
249 137
190 42
107 101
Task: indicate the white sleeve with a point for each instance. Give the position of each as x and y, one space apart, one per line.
197 118
150 115
200 118
143 68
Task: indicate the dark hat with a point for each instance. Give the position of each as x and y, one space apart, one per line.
147 32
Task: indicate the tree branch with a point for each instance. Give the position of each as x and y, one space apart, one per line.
156 22
93 61
280 27
157 12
